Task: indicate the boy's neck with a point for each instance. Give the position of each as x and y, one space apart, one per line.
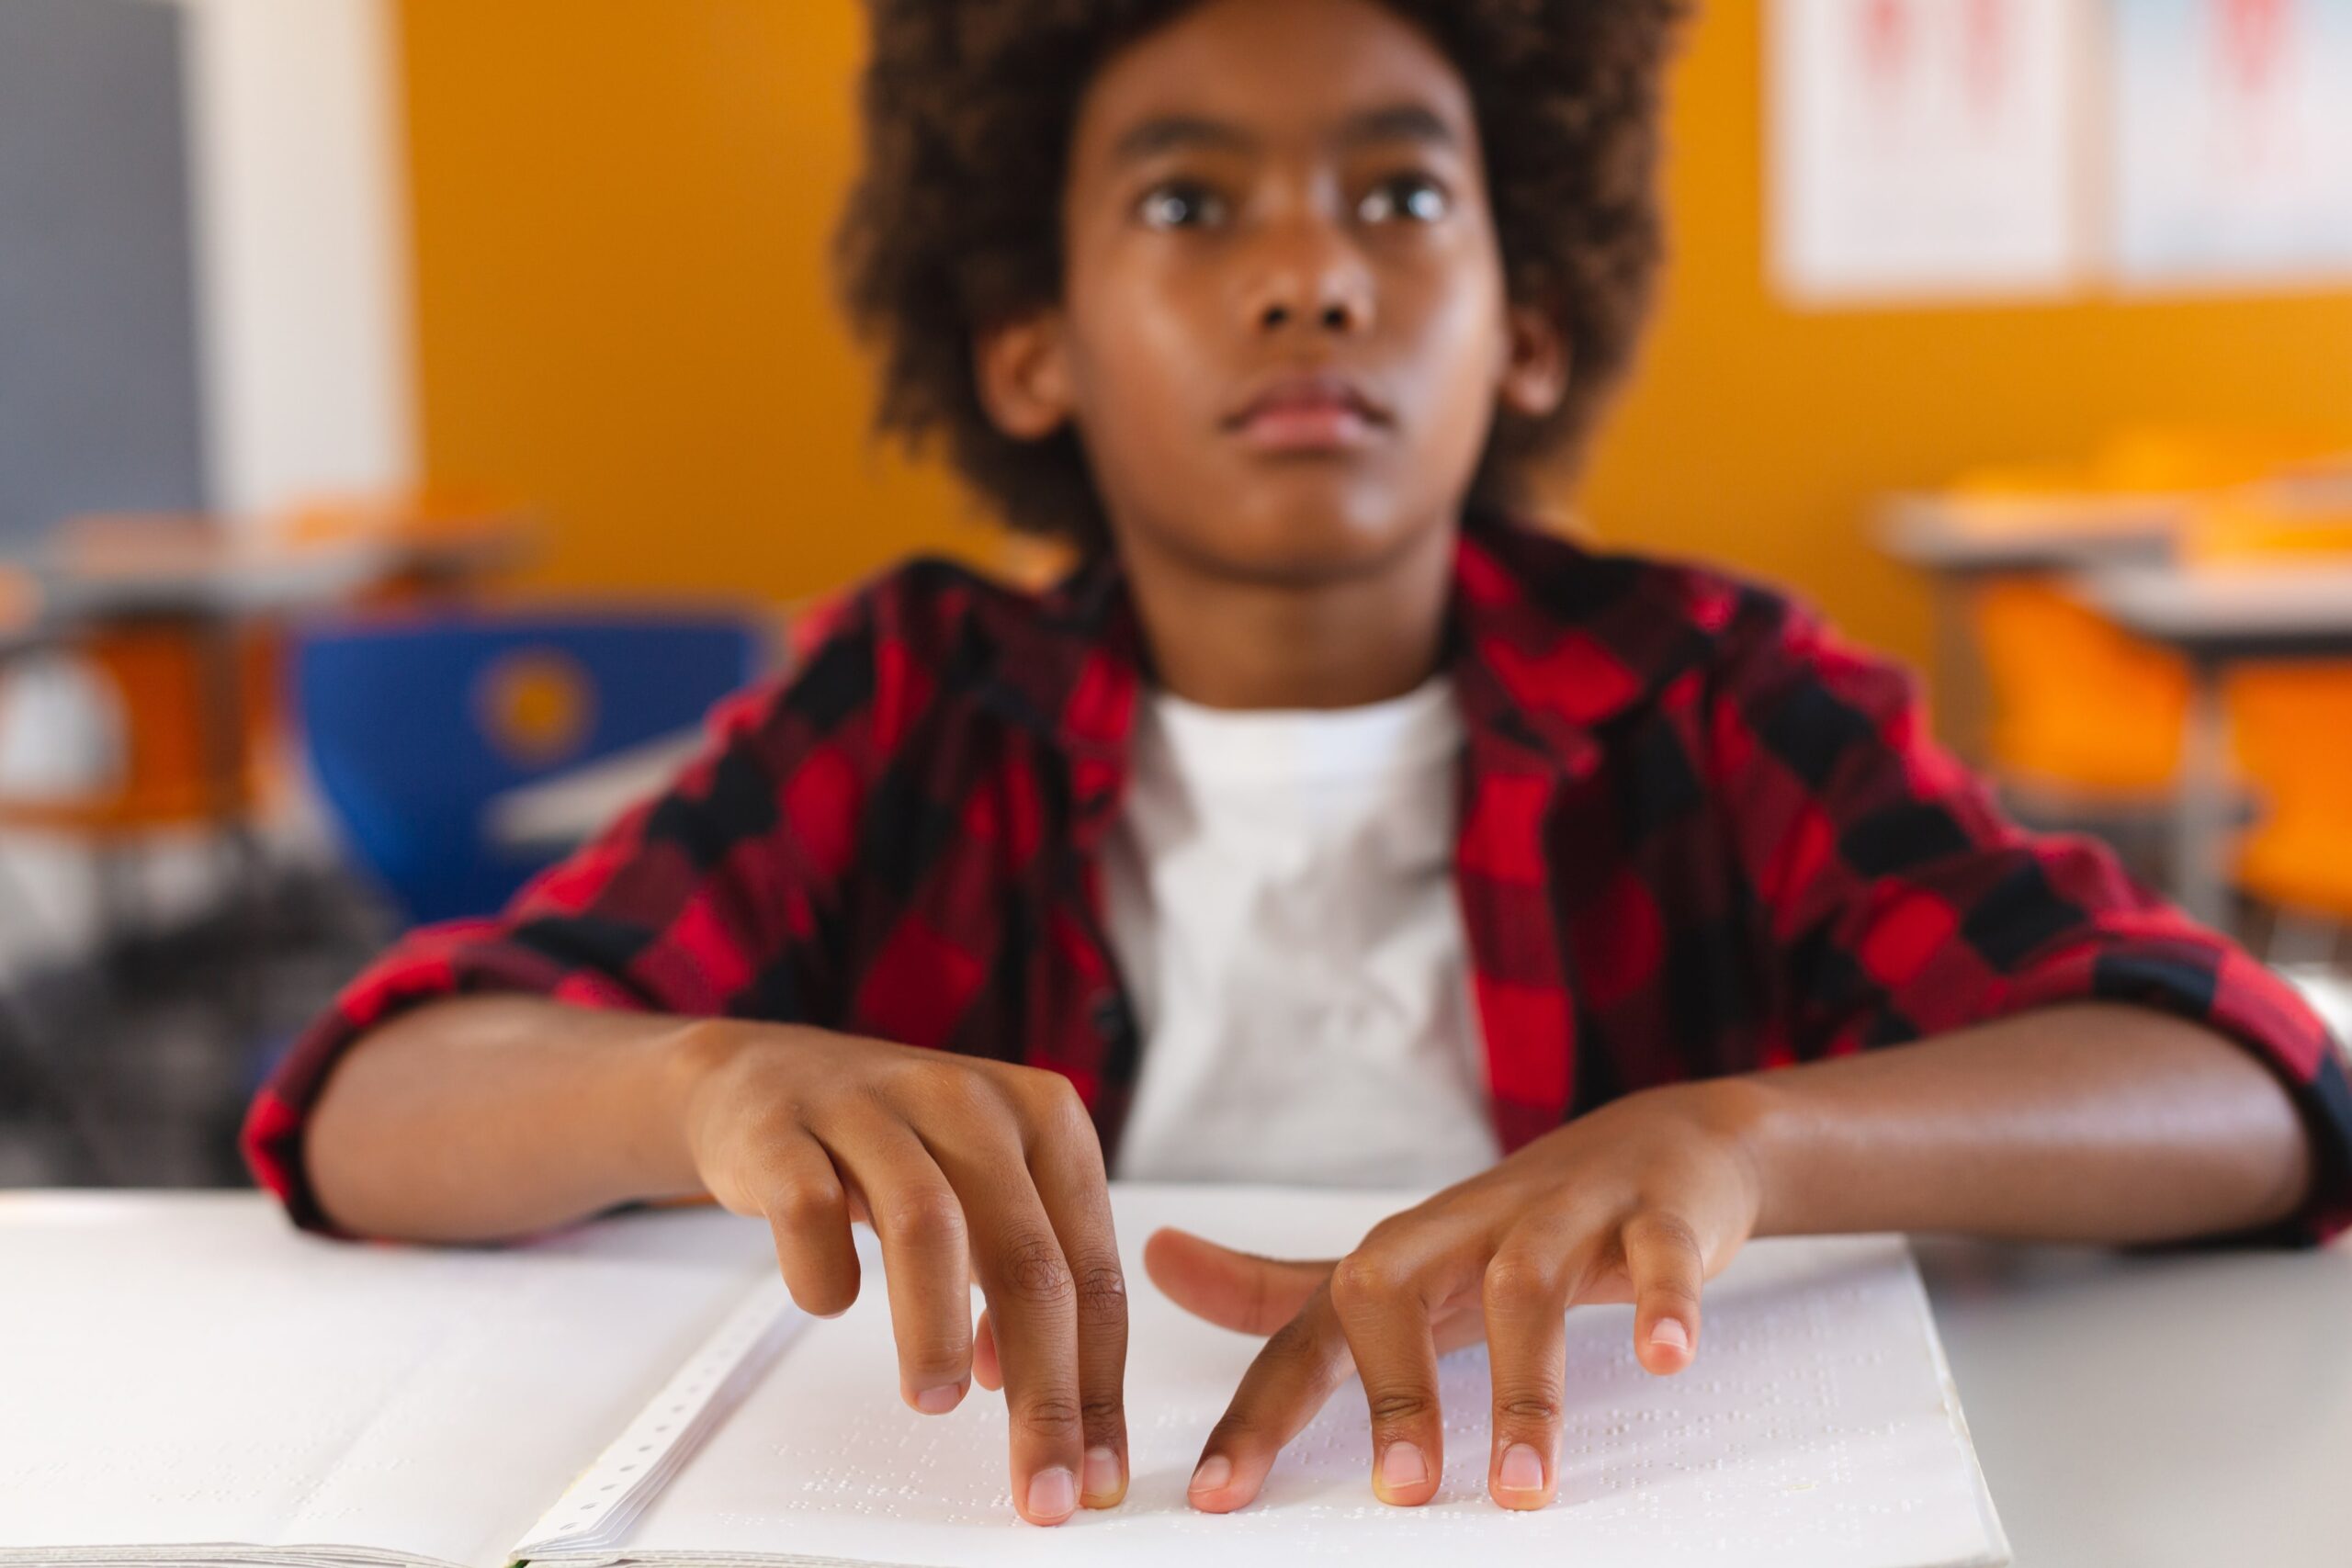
1229 640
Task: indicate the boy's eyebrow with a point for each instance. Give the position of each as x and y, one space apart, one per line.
1172 133
1399 122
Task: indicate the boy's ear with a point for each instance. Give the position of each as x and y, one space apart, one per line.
1023 375
1535 373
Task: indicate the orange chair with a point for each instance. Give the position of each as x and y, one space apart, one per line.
2083 714
170 774
2085 722
2084 717
2290 725
2293 732
2192 460
2260 523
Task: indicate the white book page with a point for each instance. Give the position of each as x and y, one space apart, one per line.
1816 1429
186 1369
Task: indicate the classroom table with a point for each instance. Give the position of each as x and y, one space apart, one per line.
2160 1410
1961 542
1979 536
2216 618
206 576
214 586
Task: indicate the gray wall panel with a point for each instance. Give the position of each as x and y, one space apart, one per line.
99 389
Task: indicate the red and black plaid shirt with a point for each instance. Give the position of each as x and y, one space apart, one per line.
1698 836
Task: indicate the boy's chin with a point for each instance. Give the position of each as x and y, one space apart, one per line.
1304 544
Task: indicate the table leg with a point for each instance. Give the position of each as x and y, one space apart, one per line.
2201 802
223 717
1959 700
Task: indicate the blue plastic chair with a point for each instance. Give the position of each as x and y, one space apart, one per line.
414 726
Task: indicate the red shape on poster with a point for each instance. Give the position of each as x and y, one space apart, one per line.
1886 40
1986 34
2253 36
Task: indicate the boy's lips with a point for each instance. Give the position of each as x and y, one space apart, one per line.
1318 412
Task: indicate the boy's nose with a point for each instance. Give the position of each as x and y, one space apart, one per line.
1336 316
1313 280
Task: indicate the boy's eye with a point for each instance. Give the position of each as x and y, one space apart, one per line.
1414 197
1180 204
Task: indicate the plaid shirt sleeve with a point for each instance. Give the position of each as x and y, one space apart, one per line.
1898 902
722 896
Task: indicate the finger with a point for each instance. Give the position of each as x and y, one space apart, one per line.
1033 1315
920 1224
986 1370
1293 1375
1239 1291
806 1208
1664 1261
1525 1296
1067 1161
1383 1301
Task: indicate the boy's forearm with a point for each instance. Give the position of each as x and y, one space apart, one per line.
2094 1123
481 1118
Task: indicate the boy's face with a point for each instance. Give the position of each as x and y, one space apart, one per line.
1283 337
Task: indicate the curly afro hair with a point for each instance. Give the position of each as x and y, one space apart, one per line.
969 108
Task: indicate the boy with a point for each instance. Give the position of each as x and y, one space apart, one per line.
1326 824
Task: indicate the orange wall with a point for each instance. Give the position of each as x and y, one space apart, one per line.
1758 434
622 209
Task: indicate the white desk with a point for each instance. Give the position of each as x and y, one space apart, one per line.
2185 1411
2157 1412
2215 618
1989 535
223 583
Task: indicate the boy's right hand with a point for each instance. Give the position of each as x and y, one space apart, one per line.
966 1169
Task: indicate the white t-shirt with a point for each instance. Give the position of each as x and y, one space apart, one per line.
1280 895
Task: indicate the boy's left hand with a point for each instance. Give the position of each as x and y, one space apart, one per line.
1641 1200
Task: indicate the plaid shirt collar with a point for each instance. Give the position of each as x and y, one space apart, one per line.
1535 679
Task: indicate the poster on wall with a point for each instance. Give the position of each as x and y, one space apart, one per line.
1925 150
2232 140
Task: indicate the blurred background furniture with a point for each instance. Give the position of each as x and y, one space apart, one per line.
2150 645
2217 620
415 725
167 631
1995 544
433 542
177 618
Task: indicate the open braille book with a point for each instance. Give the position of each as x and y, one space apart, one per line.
184 1380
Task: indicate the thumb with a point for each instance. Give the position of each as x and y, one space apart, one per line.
1239 1291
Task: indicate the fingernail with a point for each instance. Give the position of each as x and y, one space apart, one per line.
1053 1494
940 1400
1669 1333
1402 1466
1101 1476
1215 1472
1521 1469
